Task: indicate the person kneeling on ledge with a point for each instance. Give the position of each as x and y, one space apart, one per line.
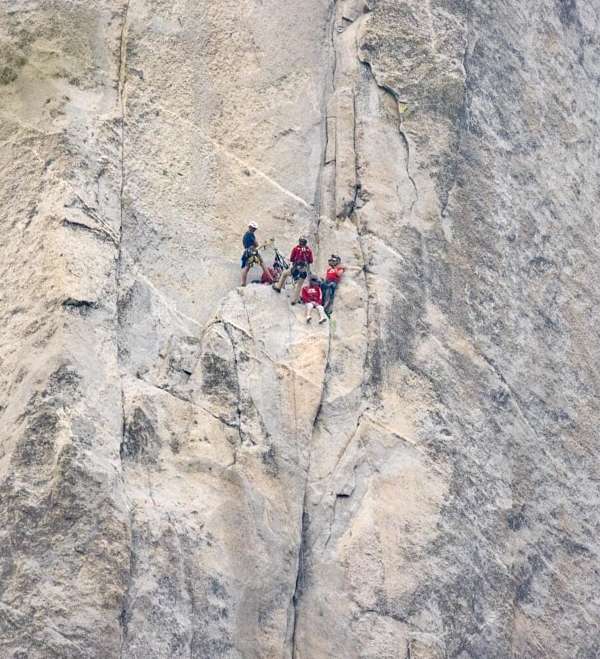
312 298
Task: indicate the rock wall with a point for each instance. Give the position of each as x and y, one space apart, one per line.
186 468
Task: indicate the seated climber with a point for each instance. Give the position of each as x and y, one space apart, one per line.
330 283
300 258
271 275
250 255
312 298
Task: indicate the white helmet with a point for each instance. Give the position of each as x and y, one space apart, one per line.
253 225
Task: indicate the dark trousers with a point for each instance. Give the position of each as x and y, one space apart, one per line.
328 291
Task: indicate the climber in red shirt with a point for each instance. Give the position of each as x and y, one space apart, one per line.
301 259
312 298
302 252
332 279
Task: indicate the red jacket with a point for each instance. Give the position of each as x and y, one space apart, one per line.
300 253
334 274
312 294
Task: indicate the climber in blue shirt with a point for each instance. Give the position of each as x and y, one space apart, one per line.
249 239
250 255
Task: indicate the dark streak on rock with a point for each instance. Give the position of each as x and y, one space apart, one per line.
83 307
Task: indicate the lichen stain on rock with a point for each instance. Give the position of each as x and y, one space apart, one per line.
219 376
140 440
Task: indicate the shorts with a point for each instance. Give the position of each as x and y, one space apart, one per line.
299 272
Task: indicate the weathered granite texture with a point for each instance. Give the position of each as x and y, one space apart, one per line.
189 470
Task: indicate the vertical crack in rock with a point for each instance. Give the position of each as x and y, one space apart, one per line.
332 44
349 212
122 83
352 212
305 520
125 614
462 124
368 311
357 182
239 390
407 150
121 100
328 93
304 524
397 101
300 570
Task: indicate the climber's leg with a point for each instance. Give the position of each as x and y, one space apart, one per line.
309 307
245 271
322 316
328 297
262 265
325 292
297 289
281 283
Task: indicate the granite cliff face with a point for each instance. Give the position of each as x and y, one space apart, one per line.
186 468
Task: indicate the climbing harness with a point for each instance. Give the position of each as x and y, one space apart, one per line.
251 257
300 270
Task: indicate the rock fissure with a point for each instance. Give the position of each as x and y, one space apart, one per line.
95 231
121 91
397 104
125 610
332 30
86 209
121 82
299 583
353 205
118 242
258 487
243 164
237 380
191 403
463 124
304 520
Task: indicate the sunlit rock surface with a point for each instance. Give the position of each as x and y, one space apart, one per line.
187 469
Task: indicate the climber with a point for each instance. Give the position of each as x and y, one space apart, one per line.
330 283
301 258
312 297
250 255
274 272
271 275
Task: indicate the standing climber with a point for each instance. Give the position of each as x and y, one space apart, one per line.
312 297
250 255
330 283
301 259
